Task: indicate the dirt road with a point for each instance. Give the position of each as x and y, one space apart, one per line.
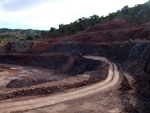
110 81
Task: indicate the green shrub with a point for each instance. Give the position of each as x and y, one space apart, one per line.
22 39
37 36
130 40
15 37
0 40
29 38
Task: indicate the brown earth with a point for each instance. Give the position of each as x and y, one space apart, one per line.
63 56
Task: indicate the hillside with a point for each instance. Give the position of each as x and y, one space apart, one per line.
130 14
17 33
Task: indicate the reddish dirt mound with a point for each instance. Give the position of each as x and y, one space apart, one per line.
118 23
117 30
111 31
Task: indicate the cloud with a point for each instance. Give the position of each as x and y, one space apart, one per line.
11 25
43 14
19 5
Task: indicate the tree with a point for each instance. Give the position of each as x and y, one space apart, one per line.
29 38
52 29
125 10
111 16
43 33
0 40
80 27
2 37
94 17
61 26
37 36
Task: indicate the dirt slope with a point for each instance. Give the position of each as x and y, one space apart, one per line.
117 30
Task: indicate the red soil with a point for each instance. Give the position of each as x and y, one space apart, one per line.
106 31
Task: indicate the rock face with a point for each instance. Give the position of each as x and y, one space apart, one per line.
78 65
146 82
134 58
50 62
18 47
81 65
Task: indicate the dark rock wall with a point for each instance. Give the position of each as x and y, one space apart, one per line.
56 62
18 47
81 65
134 58
51 62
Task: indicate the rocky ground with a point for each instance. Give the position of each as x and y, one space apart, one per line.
126 44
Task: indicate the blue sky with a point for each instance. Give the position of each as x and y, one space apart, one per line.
43 14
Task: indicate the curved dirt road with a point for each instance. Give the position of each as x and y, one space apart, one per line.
111 80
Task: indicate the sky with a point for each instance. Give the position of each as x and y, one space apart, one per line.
44 14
